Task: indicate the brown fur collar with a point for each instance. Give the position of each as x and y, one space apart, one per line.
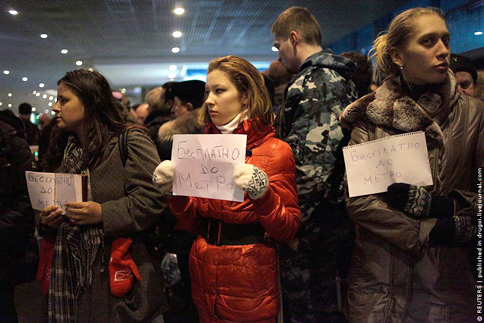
389 106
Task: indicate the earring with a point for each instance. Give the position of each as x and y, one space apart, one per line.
400 67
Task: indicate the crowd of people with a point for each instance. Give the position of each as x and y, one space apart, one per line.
298 247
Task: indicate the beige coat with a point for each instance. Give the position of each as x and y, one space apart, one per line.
395 276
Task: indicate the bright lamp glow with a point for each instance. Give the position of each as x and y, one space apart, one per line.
179 11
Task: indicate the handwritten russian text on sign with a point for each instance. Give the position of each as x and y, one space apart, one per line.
204 165
373 165
47 189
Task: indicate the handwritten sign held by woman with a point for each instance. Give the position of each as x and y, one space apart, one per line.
372 166
47 189
204 165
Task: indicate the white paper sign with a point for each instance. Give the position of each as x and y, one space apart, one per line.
372 166
204 165
47 189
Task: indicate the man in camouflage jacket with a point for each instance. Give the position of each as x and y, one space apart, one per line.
313 266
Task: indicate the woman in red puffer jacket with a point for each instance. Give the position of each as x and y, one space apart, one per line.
233 262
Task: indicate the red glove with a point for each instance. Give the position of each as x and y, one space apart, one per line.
45 263
122 267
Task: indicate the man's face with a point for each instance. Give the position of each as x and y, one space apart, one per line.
465 83
287 54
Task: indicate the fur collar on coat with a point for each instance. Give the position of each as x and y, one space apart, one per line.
390 106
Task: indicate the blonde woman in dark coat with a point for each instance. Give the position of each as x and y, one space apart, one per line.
122 204
412 257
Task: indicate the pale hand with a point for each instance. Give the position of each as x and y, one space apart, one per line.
52 216
82 213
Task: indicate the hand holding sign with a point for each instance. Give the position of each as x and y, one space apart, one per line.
81 213
52 217
372 166
251 179
163 176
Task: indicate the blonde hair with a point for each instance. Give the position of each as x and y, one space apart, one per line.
298 19
399 31
249 82
156 101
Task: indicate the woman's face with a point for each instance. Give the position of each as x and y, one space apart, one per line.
69 109
425 56
223 99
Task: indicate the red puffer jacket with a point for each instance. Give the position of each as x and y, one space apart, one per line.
240 282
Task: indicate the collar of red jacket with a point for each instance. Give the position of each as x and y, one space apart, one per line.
255 135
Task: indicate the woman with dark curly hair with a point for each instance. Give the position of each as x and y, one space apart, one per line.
97 242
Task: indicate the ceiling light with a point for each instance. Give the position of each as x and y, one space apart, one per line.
175 50
37 94
33 92
1 103
171 75
177 34
46 111
41 84
10 105
44 96
123 90
90 69
172 67
79 63
50 104
6 72
53 112
51 98
33 109
478 33
64 51
43 36
10 94
179 11
25 78
274 49
13 12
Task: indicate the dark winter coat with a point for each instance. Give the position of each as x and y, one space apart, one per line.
395 276
130 204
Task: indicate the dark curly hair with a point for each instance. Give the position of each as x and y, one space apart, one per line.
104 116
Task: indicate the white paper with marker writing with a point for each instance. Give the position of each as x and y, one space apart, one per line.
372 166
46 189
204 165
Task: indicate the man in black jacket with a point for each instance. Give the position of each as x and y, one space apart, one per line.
16 214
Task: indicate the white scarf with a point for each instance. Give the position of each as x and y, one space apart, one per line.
232 125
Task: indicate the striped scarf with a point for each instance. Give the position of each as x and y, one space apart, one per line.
75 249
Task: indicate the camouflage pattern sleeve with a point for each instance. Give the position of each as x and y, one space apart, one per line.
316 132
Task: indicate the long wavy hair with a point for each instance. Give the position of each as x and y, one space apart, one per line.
104 116
248 81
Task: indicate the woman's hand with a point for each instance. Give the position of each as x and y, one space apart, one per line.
82 213
163 177
52 216
251 179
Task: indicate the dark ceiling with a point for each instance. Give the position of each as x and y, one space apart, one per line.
130 41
